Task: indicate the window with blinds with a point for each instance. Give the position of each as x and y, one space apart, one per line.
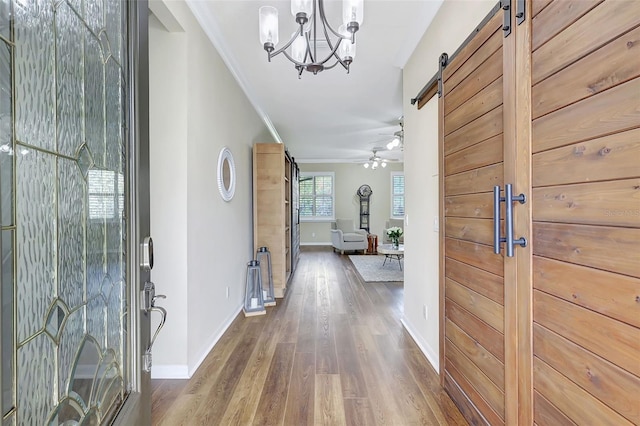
317 196
106 194
397 195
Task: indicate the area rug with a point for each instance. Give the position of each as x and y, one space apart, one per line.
370 268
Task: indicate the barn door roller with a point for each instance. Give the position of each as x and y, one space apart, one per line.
520 11
506 23
520 14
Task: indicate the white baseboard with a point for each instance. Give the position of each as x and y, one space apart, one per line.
316 244
432 356
177 371
214 339
181 371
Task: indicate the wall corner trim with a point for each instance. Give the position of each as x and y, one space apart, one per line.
214 339
210 26
428 351
166 17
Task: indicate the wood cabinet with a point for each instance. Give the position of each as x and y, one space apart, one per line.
295 213
550 335
273 221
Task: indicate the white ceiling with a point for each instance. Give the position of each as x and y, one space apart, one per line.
332 116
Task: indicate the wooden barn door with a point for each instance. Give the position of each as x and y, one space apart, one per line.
550 336
471 133
586 212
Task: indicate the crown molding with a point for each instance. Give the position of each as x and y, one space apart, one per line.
209 25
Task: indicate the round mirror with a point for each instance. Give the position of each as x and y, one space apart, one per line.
226 174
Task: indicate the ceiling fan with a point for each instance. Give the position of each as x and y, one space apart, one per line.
398 138
376 161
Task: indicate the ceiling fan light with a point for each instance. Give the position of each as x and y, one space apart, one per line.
384 164
366 165
268 26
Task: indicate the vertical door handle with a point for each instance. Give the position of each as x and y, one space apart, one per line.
497 239
508 195
508 199
149 298
148 361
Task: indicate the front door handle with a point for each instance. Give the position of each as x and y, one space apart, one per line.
148 360
149 298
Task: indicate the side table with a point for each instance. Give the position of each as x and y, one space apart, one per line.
390 252
373 244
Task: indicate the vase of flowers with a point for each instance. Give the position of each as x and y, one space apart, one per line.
394 233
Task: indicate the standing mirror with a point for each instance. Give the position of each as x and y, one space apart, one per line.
226 174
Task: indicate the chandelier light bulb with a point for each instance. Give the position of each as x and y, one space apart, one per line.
299 48
301 10
347 48
268 27
352 14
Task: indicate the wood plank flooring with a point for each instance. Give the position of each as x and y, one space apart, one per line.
333 352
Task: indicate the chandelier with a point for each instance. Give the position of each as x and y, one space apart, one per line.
313 35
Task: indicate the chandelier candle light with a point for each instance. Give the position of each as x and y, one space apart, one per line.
305 41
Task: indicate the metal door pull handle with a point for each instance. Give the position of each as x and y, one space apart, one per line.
497 239
509 213
508 198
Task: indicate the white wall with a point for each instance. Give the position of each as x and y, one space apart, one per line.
168 141
349 177
202 243
455 20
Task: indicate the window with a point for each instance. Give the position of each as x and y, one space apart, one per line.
397 195
317 196
106 194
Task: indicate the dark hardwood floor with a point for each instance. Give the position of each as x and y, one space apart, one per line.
333 352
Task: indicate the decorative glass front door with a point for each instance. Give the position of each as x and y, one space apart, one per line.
64 180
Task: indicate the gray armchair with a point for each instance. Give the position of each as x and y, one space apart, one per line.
345 237
390 224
